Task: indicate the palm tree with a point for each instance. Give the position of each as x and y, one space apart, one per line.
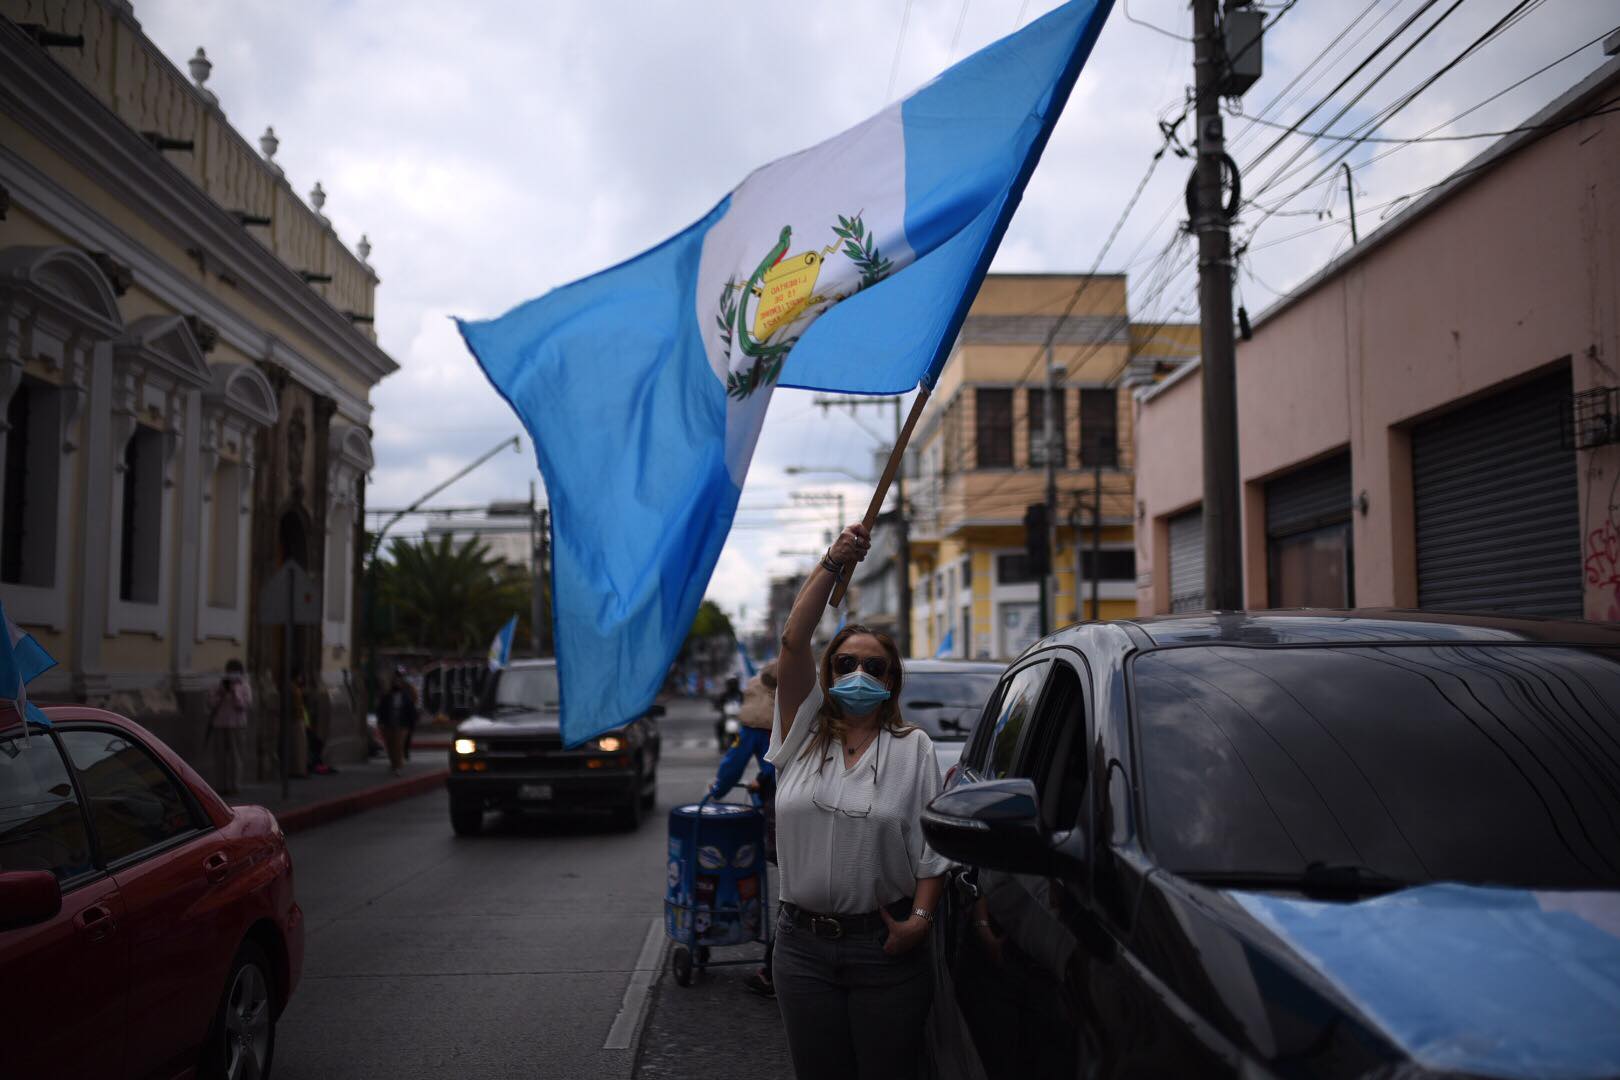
447 597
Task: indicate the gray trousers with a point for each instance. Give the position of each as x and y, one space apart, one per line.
228 758
851 1011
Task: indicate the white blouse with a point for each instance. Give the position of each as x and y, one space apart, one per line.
849 840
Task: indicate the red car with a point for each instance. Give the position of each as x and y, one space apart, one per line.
147 929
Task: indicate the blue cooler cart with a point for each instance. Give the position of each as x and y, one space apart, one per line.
718 890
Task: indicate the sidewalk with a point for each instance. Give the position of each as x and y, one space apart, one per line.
357 786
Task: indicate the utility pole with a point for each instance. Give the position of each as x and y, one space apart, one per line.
902 547
1096 542
1049 451
1223 568
542 586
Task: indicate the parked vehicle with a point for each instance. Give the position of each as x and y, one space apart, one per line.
147 929
511 757
1292 844
945 698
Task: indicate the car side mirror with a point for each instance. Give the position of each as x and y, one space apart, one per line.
28 897
996 824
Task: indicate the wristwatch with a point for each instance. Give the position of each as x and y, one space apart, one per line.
924 913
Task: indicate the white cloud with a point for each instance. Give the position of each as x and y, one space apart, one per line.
492 151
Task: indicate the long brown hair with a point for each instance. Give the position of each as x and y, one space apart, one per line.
831 719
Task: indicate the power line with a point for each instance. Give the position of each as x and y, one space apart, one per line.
1376 79
956 37
1476 106
1390 111
899 42
1126 5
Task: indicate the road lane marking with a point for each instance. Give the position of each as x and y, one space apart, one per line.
636 995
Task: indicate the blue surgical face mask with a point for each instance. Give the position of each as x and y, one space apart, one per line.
859 693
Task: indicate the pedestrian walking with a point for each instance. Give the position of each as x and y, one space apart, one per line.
753 742
396 715
228 707
859 887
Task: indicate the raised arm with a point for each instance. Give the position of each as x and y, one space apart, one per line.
796 671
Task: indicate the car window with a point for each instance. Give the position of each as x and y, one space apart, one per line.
134 805
1483 764
946 703
41 822
1017 706
1054 755
527 688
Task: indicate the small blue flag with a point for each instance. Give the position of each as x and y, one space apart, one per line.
947 647
748 668
846 267
500 649
22 659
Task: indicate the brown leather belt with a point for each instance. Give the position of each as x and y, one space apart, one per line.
833 927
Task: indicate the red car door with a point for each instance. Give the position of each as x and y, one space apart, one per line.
167 867
63 982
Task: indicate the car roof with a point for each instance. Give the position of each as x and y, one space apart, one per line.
1323 626
963 667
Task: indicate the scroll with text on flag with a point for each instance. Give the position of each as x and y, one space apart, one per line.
845 267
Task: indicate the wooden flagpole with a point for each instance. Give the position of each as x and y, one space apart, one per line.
882 492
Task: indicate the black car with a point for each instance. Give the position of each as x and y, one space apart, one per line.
511 757
945 698
1291 844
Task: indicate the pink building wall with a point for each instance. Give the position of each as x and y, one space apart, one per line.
1510 276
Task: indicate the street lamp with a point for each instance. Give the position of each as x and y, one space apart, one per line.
516 444
798 470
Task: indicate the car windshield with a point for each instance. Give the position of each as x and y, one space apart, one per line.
526 688
1484 764
945 703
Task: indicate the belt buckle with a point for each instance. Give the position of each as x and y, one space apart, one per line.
835 928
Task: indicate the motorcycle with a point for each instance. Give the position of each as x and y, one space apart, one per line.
729 725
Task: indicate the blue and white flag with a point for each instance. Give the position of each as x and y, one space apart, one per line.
947 647
500 650
746 664
845 267
21 660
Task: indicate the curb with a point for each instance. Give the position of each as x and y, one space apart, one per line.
342 806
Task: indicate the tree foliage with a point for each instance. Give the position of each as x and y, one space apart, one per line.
711 622
447 597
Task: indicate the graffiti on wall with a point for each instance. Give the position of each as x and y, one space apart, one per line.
1603 563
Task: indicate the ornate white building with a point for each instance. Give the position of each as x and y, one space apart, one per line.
186 359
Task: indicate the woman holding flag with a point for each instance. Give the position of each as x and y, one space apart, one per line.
858 884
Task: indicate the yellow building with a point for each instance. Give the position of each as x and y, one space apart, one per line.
978 459
186 362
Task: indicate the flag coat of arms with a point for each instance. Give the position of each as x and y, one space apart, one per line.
845 267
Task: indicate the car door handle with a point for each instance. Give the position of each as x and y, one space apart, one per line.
96 921
217 866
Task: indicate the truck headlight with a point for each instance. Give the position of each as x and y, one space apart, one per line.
466 746
610 744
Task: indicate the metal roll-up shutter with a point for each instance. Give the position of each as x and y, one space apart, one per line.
1497 505
1187 561
1309 498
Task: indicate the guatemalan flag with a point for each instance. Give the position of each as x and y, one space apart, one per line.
845 267
500 649
21 660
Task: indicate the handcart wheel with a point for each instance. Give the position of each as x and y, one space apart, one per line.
681 961
702 957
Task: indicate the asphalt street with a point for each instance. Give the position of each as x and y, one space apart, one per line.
512 954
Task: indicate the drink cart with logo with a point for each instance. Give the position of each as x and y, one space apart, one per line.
718 890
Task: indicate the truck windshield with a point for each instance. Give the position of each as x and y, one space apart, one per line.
1485 764
526 688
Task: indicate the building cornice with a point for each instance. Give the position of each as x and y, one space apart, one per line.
59 210
62 112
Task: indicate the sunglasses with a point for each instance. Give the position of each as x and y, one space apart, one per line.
875 666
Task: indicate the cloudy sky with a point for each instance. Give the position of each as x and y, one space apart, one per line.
495 150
